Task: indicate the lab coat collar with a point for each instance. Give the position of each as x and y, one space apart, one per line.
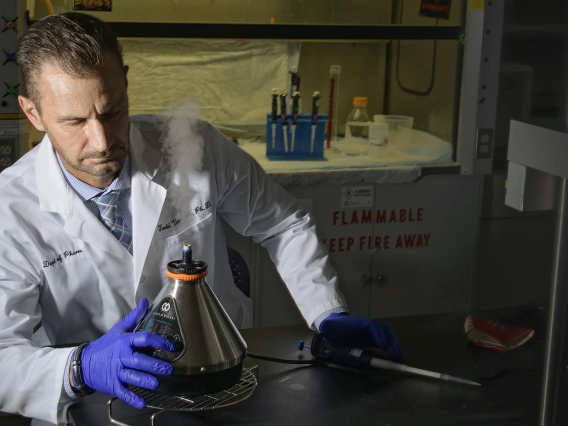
52 188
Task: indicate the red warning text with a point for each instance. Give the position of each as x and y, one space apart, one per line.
357 217
379 242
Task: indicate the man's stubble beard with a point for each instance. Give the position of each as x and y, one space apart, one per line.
106 169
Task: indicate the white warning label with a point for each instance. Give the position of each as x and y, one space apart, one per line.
357 196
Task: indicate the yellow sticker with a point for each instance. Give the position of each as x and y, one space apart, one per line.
476 4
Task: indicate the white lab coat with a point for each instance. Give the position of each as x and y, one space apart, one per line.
61 266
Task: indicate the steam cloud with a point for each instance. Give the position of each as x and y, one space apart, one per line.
182 146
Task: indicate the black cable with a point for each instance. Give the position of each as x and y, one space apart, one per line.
502 373
281 360
433 71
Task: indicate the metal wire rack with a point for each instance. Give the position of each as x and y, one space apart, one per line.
162 403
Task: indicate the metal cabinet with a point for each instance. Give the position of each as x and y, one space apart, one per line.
408 249
428 265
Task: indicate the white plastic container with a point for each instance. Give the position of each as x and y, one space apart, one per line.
378 140
397 122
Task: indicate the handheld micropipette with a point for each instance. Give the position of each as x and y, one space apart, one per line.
283 116
325 350
315 109
295 100
294 80
274 115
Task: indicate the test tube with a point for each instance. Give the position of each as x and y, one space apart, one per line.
334 74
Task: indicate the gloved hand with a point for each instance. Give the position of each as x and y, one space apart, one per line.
112 362
361 332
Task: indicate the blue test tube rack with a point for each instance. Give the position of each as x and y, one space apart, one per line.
302 145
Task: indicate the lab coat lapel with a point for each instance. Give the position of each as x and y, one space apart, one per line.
51 185
55 195
83 224
148 196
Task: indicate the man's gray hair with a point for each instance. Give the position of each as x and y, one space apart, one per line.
75 42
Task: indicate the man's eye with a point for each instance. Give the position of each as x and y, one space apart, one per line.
75 123
112 115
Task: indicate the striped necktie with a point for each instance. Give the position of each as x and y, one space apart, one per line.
107 204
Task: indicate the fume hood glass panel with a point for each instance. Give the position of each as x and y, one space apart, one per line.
310 12
230 84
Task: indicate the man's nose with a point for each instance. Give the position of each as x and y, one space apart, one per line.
99 135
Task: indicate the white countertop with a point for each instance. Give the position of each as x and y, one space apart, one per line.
412 151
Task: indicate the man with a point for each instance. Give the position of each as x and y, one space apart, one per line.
84 232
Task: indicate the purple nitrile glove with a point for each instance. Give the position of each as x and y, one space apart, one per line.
111 363
361 332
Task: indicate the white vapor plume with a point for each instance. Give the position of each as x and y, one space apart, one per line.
182 146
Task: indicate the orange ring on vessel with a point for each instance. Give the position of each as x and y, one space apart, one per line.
186 277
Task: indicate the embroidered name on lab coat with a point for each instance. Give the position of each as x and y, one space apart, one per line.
202 208
60 258
168 225
174 222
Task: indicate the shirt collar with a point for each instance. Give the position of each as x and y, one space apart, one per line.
86 191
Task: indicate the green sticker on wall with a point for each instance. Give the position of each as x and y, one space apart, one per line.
93 5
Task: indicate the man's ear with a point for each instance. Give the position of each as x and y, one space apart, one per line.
29 108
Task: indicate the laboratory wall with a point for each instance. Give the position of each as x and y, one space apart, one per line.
425 75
